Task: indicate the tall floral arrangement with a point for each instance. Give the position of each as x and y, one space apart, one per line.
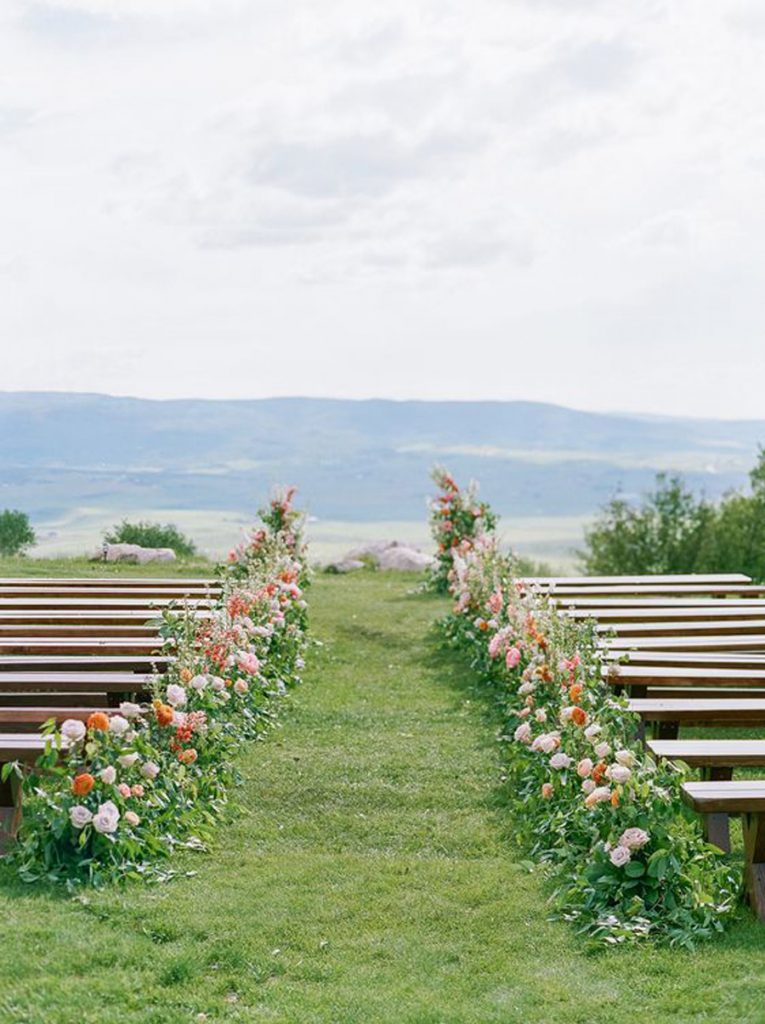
458 522
628 860
115 795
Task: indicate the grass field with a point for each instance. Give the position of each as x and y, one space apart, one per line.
371 878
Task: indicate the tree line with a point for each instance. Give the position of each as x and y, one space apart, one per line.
675 531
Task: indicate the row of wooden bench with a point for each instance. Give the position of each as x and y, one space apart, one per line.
690 652
70 647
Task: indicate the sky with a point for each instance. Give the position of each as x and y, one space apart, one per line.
553 200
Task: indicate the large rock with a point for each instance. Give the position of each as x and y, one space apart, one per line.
404 559
384 554
136 554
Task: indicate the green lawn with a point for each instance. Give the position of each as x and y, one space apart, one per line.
371 877
25 566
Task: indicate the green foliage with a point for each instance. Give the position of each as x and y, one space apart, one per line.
16 533
458 521
151 535
673 531
629 860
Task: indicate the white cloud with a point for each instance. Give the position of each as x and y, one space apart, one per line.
546 200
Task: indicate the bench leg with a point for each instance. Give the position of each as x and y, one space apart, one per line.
754 872
667 730
717 826
10 810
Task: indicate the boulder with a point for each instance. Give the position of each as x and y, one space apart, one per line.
136 554
404 559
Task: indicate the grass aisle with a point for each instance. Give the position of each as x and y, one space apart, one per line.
368 881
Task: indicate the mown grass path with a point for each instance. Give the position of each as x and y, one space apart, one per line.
370 879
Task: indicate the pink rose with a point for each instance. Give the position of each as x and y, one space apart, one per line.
584 768
513 657
124 790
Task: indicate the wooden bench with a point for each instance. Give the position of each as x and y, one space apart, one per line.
640 580
747 799
716 760
665 715
84 663
148 582
626 631
122 683
683 658
683 645
637 678
91 645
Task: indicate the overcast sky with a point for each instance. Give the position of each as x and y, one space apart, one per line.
561 200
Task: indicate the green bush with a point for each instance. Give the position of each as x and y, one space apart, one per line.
673 531
151 535
16 533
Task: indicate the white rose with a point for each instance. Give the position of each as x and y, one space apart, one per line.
625 757
620 856
592 731
541 715
80 816
525 688
118 725
523 733
150 770
179 718
108 774
560 760
176 695
73 730
130 710
128 760
241 686
588 786
132 818
619 773
218 684
634 838
198 683
602 750
106 818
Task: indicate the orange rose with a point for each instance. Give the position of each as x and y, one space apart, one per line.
82 784
186 675
164 714
188 756
575 693
599 772
579 716
547 790
615 798
98 722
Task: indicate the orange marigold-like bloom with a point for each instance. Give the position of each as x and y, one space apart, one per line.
98 721
164 714
82 784
578 716
575 693
483 625
186 675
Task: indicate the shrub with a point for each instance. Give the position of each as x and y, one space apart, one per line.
16 533
151 535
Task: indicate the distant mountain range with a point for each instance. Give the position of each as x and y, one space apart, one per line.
362 461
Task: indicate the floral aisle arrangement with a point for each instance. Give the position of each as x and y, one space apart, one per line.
627 858
114 796
457 522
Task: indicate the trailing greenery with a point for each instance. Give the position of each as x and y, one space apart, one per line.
115 795
629 859
16 533
674 531
152 535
